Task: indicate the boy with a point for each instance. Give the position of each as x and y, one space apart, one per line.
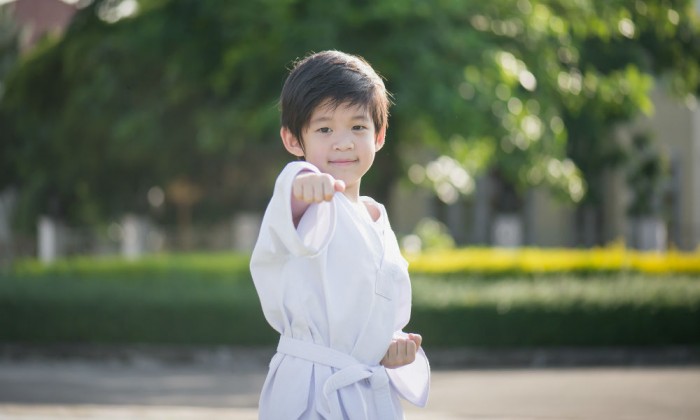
327 267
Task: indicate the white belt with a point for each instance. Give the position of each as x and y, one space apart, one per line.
349 372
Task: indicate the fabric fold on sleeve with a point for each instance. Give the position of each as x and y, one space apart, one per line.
412 382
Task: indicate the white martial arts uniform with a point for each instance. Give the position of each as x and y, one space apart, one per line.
337 290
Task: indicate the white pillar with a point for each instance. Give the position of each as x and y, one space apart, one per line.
7 203
48 239
695 176
245 229
647 233
482 211
507 231
134 233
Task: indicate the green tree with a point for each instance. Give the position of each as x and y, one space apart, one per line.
9 52
637 40
187 90
551 79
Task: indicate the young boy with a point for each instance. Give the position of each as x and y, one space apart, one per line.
327 266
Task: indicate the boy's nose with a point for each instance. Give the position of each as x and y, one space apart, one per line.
345 143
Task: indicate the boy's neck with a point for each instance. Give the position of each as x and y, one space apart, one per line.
352 194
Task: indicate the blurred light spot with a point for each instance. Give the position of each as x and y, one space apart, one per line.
479 22
527 80
515 106
112 11
626 27
524 6
514 28
156 196
461 179
447 193
411 244
568 168
508 62
673 16
416 174
576 190
556 124
497 27
448 177
553 168
557 25
502 92
472 74
521 141
570 82
433 171
532 127
641 7
563 80
466 91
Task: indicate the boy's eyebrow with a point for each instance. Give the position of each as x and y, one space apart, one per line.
324 118
320 119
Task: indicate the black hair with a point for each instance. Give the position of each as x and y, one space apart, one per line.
332 78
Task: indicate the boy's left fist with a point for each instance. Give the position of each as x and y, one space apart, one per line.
402 351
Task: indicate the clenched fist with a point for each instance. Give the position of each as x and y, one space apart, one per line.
402 351
312 187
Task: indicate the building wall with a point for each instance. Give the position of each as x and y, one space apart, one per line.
39 17
675 126
548 222
694 205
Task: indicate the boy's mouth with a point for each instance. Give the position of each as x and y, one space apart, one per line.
342 162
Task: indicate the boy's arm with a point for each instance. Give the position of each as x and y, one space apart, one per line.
311 187
280 229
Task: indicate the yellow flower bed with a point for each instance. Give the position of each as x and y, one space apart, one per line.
542 260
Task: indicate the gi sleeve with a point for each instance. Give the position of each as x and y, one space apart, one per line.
315 226
412 381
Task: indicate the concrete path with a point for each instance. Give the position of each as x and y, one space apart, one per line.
144 388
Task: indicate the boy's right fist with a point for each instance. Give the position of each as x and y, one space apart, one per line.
312 187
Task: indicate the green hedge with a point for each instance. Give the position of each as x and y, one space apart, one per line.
210 299
184 299
553 310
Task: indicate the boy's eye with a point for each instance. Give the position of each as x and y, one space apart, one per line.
359 127
324 130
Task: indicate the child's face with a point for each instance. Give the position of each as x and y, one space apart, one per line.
342 142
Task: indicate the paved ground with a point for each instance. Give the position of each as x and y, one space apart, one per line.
227 386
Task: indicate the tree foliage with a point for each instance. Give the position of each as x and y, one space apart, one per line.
187 90
9 52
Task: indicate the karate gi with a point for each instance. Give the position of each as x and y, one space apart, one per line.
337 290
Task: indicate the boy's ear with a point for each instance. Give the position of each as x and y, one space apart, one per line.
291 143
381 136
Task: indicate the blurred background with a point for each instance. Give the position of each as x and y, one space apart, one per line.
133 127
541 171
544 153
